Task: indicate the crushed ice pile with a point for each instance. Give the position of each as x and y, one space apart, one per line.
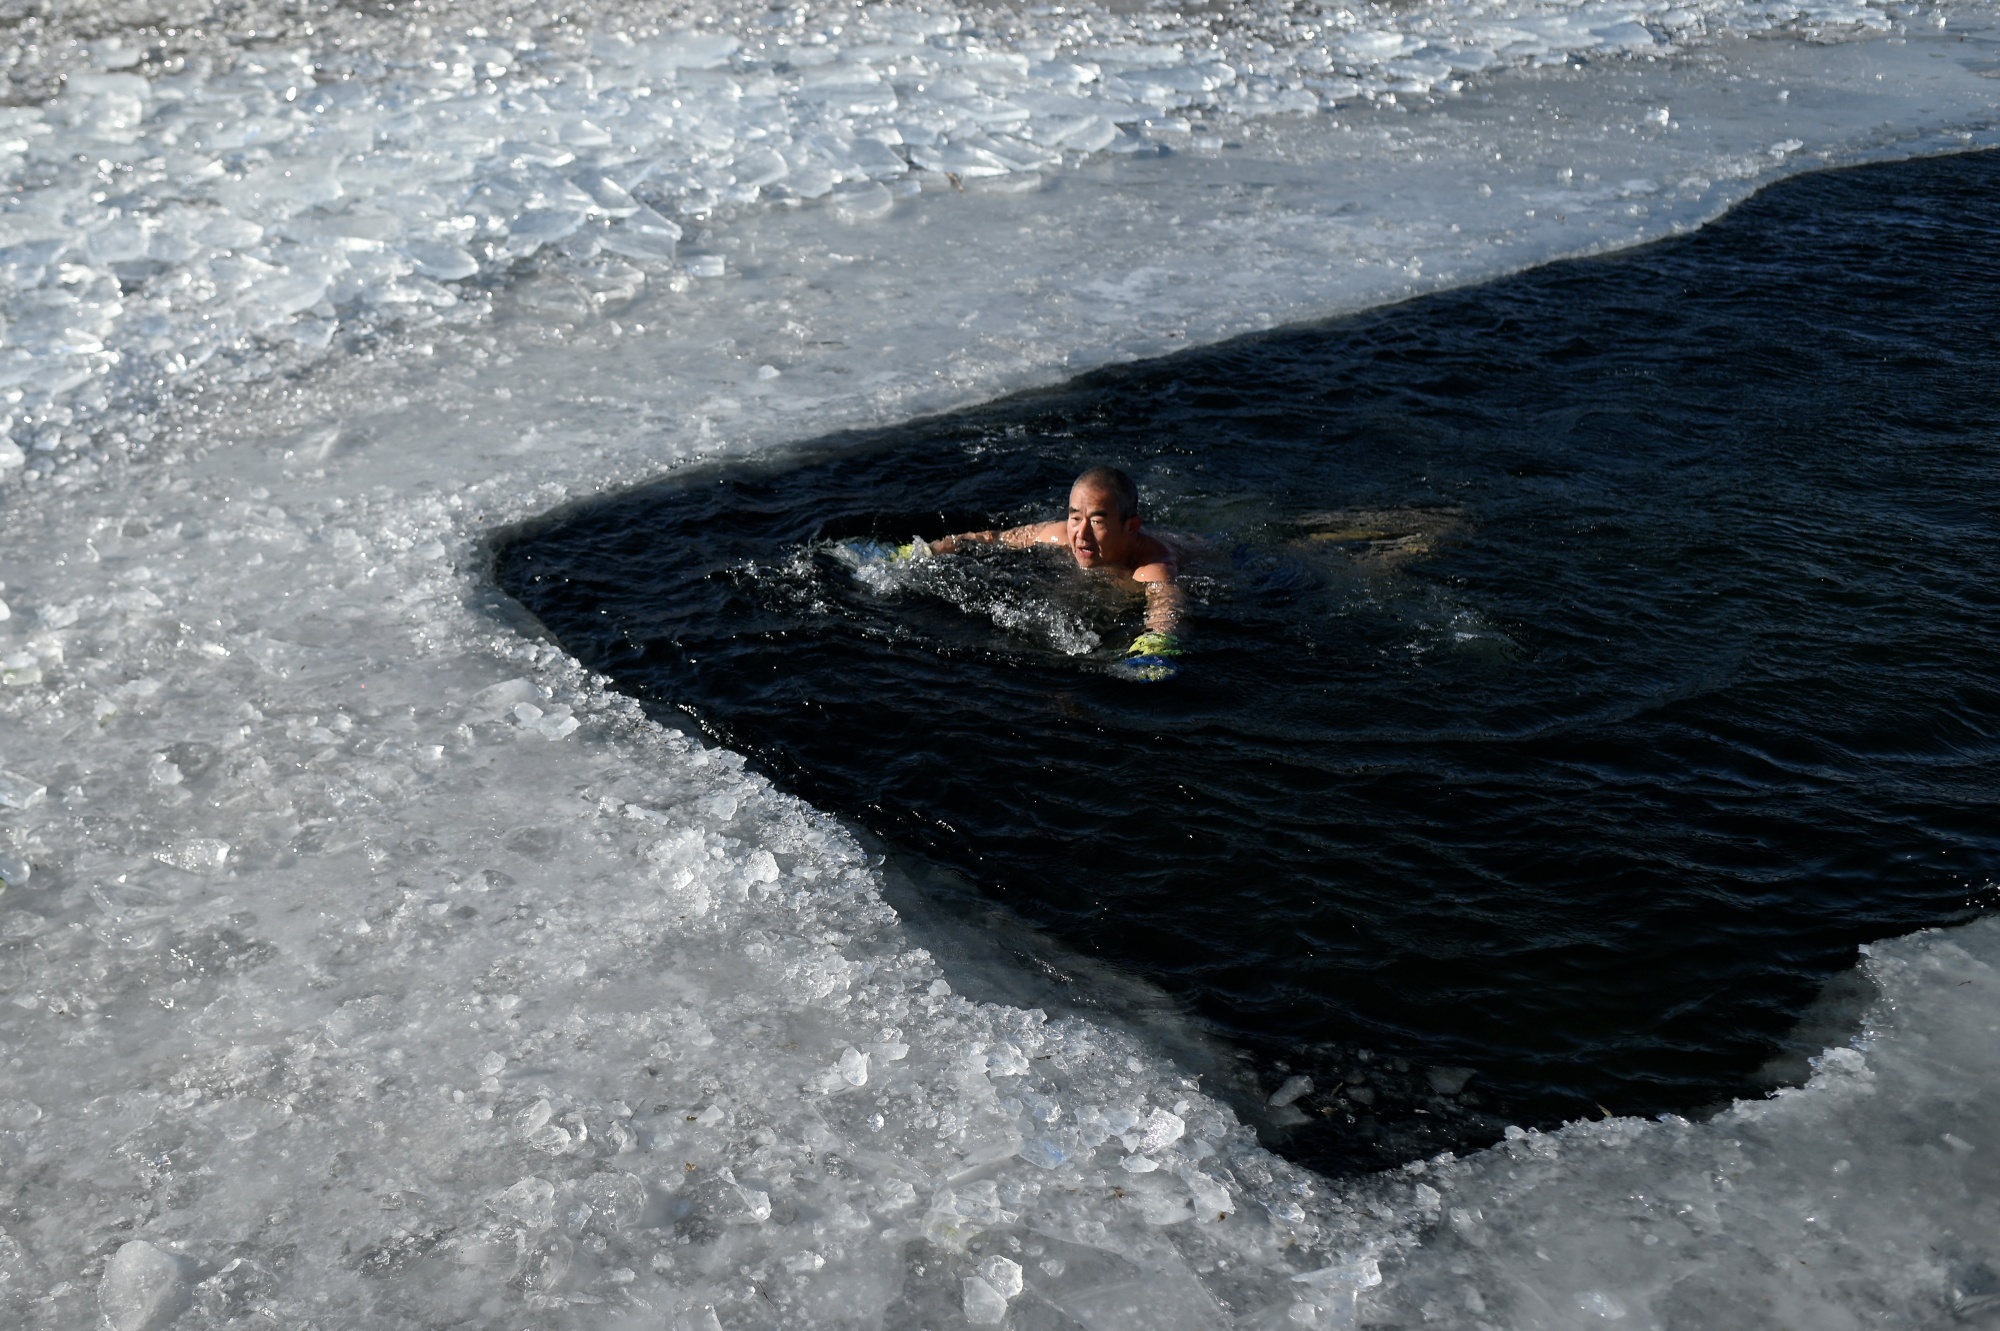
363 962
151 219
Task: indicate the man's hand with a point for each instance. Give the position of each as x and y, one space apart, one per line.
1154 644
1149 660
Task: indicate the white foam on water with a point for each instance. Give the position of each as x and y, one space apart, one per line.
364 961
1016 606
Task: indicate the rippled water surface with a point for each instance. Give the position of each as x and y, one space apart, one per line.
1581 666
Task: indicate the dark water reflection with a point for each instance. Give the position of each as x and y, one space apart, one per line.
1583 664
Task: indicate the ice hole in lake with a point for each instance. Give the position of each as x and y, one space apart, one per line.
1580 666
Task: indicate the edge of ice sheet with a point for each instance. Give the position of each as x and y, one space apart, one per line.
657 1050
1864 1197
297 192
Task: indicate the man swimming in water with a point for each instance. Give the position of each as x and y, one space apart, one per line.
1103 531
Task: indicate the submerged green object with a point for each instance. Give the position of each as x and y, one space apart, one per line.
1146 669
1149 660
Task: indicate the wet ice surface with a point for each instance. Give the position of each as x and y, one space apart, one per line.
259 204
364 963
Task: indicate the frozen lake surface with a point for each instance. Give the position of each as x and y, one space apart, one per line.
367 962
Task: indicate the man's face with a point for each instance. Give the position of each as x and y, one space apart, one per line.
1097 534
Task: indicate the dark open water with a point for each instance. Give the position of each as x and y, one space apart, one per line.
1583 664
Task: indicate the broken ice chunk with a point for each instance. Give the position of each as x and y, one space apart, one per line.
1161 1130
1448 1081
18 792
1087 133
1294 1087
195 854
143 1288
854 1067
230 232
811 182
700 1318
958 1215
610 197
496 699
1004 1060
556 723
1337 1288
870 202
551 1138
984 1305
540 226
760 167
895 1195
534 1116
439 260
14 868
1212 1201
1159 1208
532 1201
17 1115
959 159
1003 1274
1043 1153
756 1206
643 235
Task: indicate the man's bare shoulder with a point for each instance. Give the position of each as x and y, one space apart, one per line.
1036 533
1158 559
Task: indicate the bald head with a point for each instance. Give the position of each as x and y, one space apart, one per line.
1112 481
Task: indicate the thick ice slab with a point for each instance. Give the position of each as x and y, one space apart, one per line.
365 962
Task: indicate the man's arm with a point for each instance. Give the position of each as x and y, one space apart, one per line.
1150 658
1019 538
1165 601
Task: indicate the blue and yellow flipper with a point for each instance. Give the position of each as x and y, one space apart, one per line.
1150 659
